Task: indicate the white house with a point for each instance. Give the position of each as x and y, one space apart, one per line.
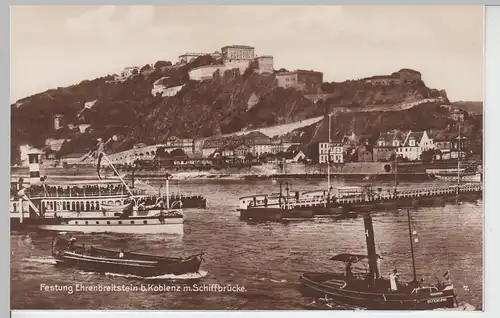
336 151
414 145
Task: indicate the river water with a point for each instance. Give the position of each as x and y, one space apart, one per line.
266 259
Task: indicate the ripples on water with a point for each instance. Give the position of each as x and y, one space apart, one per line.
265 258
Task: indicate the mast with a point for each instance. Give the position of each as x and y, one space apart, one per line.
119 176
328 157
395 174
459 153
287 196
167 192
281 193
370 245
411 246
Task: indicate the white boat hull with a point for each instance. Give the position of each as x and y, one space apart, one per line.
139 225
166 228
467 178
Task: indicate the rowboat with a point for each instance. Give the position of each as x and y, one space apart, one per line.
68 254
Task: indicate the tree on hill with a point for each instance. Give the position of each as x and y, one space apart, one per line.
146 67
160 64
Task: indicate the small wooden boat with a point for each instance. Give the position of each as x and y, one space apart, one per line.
67 253
369 290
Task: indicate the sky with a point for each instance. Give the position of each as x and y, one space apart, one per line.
57 46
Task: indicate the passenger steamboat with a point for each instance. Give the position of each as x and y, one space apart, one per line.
90 206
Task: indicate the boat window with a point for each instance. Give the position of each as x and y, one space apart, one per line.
425 290
132 222
145 222
119 222
108 222
96 222
76 222
86 222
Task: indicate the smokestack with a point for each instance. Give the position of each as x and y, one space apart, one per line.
370 245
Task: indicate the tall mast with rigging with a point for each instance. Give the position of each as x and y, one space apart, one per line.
328 157
459 155
411 246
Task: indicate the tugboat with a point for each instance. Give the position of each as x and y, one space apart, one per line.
370 290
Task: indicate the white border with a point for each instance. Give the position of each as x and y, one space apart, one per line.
491 285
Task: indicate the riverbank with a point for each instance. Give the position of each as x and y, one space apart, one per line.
305 176
347 171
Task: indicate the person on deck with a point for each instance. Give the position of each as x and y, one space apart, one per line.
71 244
348 270
121 254
393 277
378 274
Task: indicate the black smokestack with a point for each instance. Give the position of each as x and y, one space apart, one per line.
370 244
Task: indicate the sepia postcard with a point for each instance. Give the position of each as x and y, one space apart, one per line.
246 157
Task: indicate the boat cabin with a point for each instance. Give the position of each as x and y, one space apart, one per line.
347 191
63 196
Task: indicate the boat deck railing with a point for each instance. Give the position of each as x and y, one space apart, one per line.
385 194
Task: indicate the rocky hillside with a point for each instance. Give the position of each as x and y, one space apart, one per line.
359 93
475 108
200 109
432 117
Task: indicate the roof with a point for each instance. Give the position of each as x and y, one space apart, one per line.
238 46
293 148
409 70
193 54
300 71
382 77
73 155
388 138
351 258
234 146
256 134
415 135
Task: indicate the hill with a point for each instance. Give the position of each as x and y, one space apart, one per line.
470 107
200 109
